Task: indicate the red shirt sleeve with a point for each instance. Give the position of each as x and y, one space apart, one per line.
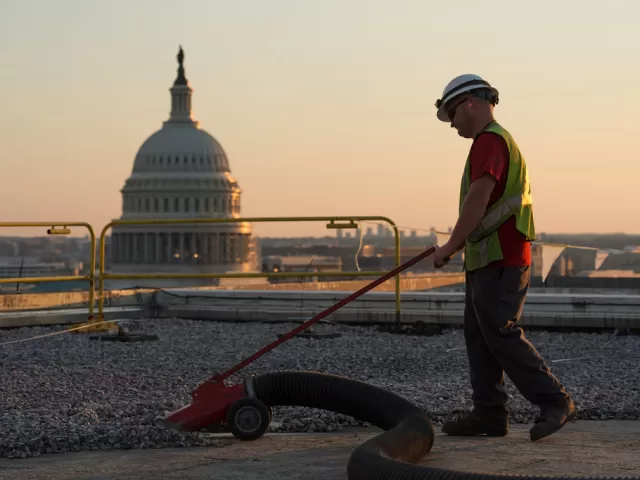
489 154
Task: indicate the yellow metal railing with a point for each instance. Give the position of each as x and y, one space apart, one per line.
352 223
55 230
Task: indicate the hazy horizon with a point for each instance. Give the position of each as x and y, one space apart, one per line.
336 96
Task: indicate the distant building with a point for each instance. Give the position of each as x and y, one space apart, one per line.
28 267
307 264
18 267
181 172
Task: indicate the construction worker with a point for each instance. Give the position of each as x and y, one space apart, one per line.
495 227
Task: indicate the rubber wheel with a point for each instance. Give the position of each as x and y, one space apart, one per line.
248 419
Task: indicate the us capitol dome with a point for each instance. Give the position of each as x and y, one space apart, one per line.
180 172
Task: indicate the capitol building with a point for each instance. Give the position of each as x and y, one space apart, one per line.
181 172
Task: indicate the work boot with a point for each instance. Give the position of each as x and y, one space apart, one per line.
492 422
552 418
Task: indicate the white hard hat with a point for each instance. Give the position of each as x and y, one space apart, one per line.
464 84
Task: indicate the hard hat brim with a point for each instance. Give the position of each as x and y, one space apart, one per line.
443 114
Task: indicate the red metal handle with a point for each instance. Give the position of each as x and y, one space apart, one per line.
323 314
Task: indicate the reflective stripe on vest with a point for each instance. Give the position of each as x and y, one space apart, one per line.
494 218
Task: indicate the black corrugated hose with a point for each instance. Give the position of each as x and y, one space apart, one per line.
392 455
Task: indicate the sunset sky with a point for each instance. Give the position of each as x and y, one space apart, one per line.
323 107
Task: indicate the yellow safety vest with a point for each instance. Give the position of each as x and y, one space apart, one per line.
482 247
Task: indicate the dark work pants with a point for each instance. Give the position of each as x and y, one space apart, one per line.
496 344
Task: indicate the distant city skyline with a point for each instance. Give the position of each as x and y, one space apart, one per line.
322 111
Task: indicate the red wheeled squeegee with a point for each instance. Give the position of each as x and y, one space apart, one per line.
212 399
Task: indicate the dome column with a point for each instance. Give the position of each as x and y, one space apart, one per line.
120 255
193 249
168 250
134 240
150 246
157 252
206 259
147 252
213 248
129 247
126 248
216 248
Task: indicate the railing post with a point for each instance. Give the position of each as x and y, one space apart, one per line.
101 272
398 311
92 273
